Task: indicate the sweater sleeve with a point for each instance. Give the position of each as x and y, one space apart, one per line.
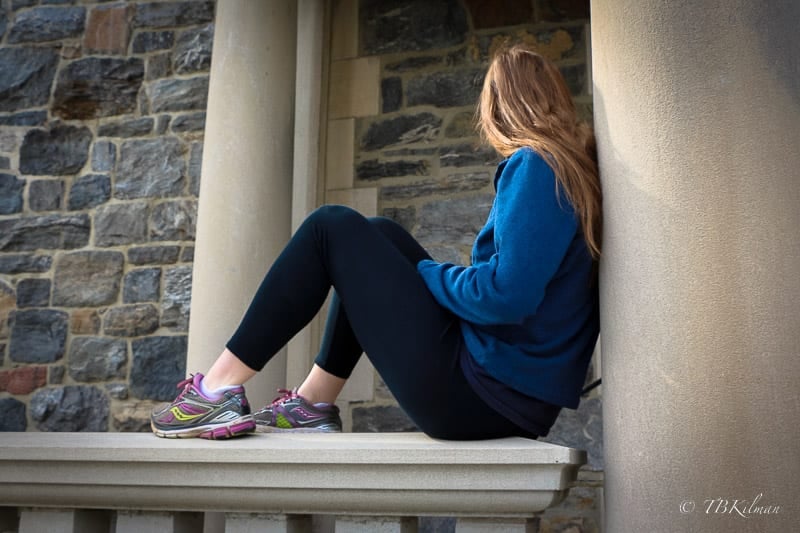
532 233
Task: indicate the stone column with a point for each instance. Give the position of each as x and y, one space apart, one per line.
244 214
697 112
311 59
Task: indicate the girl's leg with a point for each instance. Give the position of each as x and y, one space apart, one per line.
412 341
227 370
321 386
340 350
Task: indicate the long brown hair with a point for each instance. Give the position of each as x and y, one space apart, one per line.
525 102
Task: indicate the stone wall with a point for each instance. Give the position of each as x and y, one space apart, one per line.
102 109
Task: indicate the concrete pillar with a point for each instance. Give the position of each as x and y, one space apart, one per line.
311 59
697 113
244 214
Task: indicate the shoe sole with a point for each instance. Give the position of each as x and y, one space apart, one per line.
235 428
272 429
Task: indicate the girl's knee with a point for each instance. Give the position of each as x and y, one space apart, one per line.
383 223
329 211
331 215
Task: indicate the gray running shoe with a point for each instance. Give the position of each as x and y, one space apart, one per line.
192 414
291 412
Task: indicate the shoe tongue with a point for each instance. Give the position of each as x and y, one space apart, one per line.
197 379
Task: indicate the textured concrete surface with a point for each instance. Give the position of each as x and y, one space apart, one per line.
392 474
697 113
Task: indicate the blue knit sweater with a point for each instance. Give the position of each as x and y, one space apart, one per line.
528 308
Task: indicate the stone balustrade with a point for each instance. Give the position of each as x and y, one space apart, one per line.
126 482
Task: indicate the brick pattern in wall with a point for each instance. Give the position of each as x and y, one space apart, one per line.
102 110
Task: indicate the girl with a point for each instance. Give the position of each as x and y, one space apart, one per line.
490 350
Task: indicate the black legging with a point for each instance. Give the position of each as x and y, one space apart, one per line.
381 306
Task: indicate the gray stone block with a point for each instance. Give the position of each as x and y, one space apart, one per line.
51 232
131 320
391 94
187 254
46 195
461 125
59 151
173 221
176 302
179 94
56 375
188 123
104 156
195 168
89 191
124 223
407 152
153 255
454 183
98 87
150 41
136 127
167 14
118 391
413 63
575 76
97 358
150 169
33 292
192 51
70 408
162 124
5 163
375 169
445 88
158 66
141 285
47 24
467 155
159 363
25 118
405 129
11 189
12 415
405 216
22 263
38 335
388 26
87 279
455 221
134 417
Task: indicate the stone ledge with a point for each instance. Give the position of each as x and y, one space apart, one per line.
350 473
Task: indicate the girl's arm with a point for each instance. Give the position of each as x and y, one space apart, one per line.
533 230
